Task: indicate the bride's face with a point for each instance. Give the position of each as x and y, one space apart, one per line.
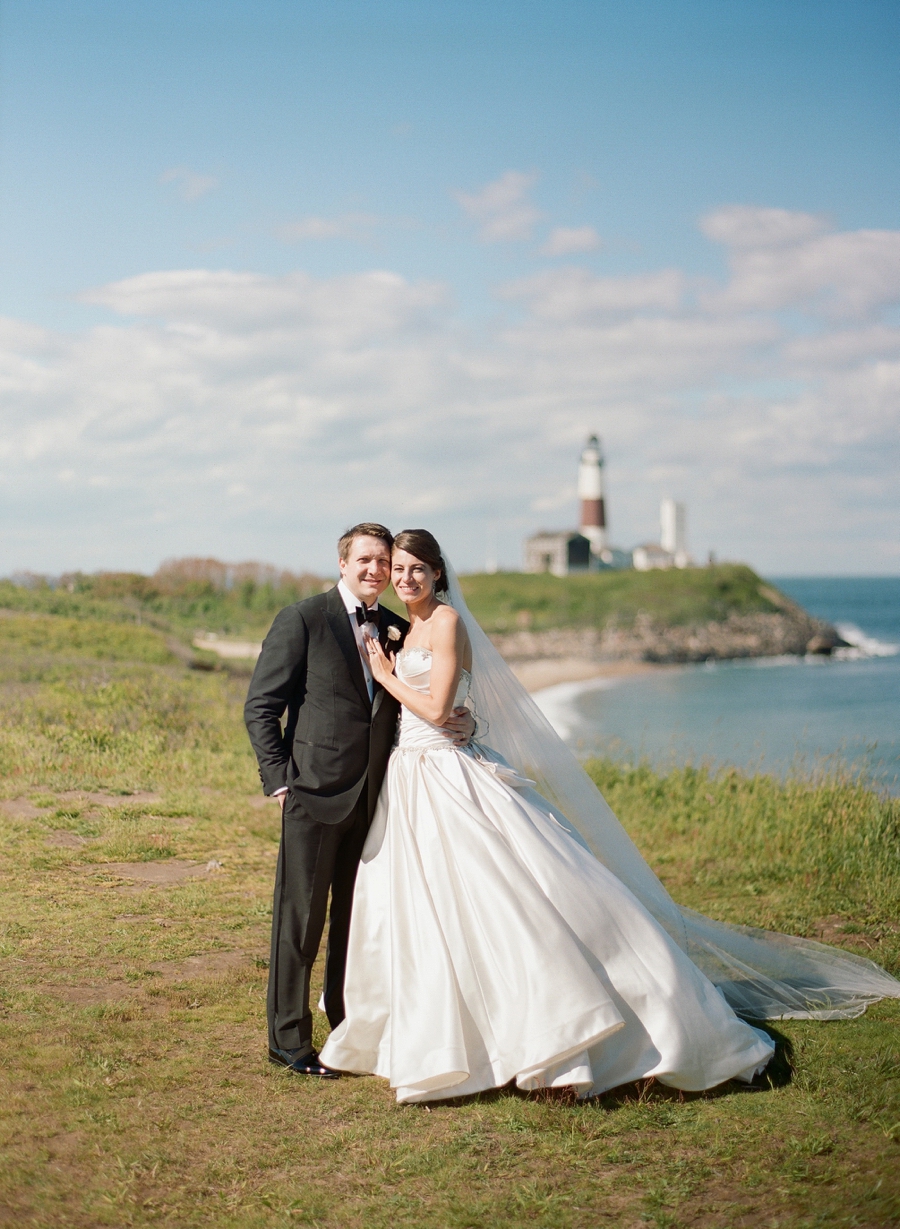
413 580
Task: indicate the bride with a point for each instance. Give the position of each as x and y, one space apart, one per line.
504 926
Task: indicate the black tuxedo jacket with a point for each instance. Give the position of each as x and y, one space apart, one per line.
335 740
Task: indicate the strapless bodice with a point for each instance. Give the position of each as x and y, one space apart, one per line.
414 668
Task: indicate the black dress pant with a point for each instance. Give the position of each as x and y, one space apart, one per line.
312 859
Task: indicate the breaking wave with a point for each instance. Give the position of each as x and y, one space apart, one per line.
862 645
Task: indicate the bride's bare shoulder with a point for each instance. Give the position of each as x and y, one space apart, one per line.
445 624
449 635
445 616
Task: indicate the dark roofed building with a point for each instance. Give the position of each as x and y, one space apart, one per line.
560 553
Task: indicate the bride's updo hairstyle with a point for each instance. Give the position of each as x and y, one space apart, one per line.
424 546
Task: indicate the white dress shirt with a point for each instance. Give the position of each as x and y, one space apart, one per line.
351 602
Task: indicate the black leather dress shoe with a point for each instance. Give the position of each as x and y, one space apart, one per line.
305 1064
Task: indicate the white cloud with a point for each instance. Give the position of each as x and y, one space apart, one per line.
189 184
744 226
779 259
816 353
502 208
246 415
571 294
346 226
569 240
222 301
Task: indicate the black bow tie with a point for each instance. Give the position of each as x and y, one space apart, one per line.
364 615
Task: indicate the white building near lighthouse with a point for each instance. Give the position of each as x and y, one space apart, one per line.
671 550
673 531
561 552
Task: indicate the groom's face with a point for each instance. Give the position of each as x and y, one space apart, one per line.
367 568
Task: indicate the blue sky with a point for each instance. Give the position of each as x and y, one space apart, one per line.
464 236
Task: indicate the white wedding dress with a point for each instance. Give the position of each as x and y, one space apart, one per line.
489 944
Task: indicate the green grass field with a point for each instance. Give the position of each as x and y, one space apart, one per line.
138 859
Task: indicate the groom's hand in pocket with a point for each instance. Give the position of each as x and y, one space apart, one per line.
461 725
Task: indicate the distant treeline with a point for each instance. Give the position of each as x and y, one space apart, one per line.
183 595
176 578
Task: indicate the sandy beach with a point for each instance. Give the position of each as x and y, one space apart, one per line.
231 650
550 671
535 675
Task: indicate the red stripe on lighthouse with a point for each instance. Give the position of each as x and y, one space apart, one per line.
593 514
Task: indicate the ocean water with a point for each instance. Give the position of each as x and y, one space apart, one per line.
778 715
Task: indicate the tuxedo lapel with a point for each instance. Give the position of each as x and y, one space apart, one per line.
339 622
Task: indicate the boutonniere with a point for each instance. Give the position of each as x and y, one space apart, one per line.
393 632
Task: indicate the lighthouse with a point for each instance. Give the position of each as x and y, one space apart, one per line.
590 492
585 549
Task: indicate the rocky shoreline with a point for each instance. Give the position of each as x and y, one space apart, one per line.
790 631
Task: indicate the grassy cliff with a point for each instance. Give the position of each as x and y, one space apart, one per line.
509 600
695 614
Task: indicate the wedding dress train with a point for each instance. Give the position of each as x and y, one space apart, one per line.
487 943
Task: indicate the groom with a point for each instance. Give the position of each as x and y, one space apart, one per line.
326 768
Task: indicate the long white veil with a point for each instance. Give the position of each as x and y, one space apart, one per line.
763 975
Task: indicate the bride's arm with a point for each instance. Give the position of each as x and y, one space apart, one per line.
448 638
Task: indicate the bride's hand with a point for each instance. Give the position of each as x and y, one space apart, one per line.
380 664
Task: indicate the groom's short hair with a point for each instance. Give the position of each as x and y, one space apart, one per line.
366 529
